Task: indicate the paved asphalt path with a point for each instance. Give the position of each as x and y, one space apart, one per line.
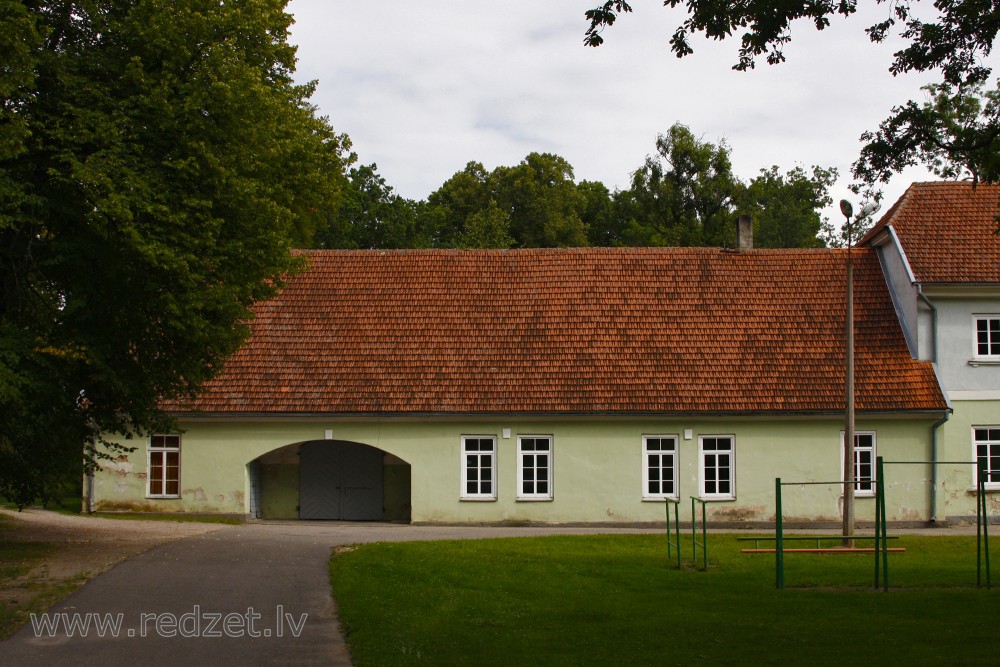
255 594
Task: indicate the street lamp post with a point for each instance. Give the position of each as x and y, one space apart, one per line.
847 210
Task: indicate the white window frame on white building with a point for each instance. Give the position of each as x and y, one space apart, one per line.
659 467
163 466
711 462
987 438
986 337
865 451
479 467
534 467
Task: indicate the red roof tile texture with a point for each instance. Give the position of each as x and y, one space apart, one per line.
948 231
568 331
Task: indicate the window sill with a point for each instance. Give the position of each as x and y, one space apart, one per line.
717 499
660 499
989 490
534 500
163 497
478 500
984 362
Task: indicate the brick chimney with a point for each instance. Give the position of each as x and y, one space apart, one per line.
744 233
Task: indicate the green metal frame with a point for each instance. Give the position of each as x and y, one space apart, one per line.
674 545
982 515
880 537
704 533
982 527
881 527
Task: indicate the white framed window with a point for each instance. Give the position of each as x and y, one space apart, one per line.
659 467
534 468
717 470
986 449
864 462
479 467
987 344
163 466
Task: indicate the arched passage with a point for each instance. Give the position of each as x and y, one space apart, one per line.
330 480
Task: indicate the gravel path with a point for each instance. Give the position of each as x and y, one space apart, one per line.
85 546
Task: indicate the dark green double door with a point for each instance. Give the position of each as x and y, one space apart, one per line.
340 481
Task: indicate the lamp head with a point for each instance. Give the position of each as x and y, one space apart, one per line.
846 208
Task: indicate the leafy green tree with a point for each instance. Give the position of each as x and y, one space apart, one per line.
687 195
598 214
157 161
682 195
538 198
786 207
449 207
543 200
489 228
956 134
371 215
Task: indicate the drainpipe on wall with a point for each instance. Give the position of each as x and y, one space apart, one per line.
934 458
940 422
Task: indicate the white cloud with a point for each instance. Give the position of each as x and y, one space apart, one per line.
424 87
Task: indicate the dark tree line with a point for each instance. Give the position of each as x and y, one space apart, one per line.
685 194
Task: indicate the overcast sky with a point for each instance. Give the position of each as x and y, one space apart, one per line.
424 87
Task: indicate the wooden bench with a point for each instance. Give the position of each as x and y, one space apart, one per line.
817 549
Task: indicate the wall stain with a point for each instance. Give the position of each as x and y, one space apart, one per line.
749 513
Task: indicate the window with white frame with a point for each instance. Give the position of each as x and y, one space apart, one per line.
479 466
534 469
987 336
163 467
659 466
716 471
864 462
986 443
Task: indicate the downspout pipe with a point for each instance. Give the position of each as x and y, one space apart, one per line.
938 424
934 458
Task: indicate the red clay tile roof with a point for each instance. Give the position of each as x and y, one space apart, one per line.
596 330
947 230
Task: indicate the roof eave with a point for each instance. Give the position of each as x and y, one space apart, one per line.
724 414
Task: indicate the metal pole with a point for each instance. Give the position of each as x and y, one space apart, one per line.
694 535
779 546
883 525
979 523
704 538
848 531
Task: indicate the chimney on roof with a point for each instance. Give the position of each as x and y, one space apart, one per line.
744 233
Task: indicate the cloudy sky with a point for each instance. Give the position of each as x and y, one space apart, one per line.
424 87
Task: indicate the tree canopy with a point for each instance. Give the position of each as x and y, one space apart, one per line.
685 194
952 134
157 163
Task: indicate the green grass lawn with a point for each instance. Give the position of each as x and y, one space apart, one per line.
616 600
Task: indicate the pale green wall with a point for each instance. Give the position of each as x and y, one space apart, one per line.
597 468
279 484
956 483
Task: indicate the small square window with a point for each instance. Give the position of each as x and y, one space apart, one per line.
987 336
